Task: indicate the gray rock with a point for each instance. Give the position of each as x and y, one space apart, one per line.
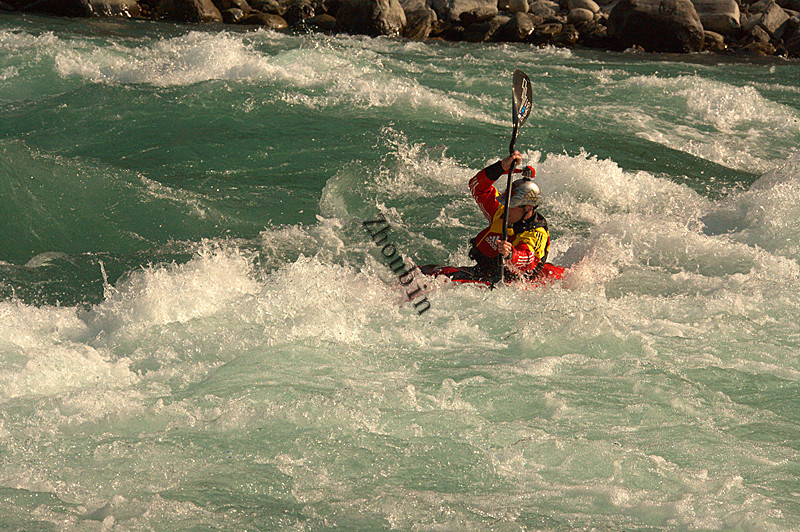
413 5
720 16
419 24
543 8
771 19
656 25
465 11
758 34
371 17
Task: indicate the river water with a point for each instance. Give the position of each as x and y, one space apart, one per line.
197 332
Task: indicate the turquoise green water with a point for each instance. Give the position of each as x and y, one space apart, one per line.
197 333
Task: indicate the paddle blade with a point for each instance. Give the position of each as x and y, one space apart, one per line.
522 97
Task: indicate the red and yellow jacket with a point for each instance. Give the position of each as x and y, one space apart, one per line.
530 238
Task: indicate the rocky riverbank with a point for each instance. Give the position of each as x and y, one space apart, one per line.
763 27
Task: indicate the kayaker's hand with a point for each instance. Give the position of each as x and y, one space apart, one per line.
506 163
504 248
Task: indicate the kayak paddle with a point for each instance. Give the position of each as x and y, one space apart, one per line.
521 97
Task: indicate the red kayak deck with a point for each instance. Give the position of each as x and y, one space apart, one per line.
468 274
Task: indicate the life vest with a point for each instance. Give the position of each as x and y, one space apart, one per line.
532 231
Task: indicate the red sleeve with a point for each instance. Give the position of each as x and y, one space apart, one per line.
482 188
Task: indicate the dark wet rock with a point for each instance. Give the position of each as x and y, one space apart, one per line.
569 36
323 22
713 42
546 33
267 20
224 5
61 8
793 43
371 17
656 25
484 31
595 35
761 48
720 16
189 11
297 11
518 28
232 16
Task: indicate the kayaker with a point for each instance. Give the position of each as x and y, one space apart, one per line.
525 251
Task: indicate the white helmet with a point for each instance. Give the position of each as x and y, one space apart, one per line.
524 192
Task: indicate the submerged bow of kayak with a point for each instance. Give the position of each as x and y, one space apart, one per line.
469 274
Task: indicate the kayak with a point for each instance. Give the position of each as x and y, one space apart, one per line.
469 274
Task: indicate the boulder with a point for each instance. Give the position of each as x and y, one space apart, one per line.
268 6
656 25
543 8
547 33
297 11
517 6
579 16
224 5
233 15
115 8
591 5
484 31
323 22
569 36
757 34
594 35
267 20
465 11
413 5
713 41
719 16
189 11
771 19
371 17
517 29
419 24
